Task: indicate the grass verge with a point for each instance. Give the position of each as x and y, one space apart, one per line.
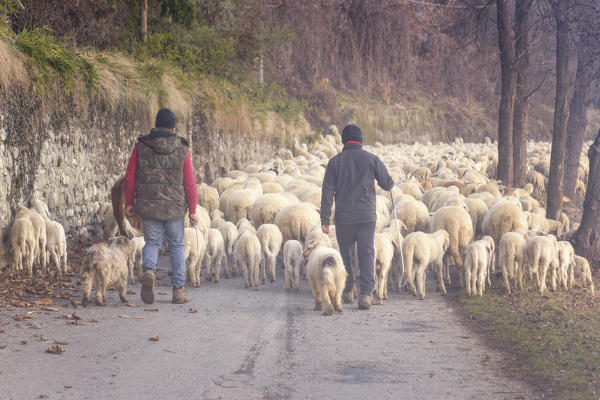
553 338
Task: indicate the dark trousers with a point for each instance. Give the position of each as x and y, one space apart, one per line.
363 235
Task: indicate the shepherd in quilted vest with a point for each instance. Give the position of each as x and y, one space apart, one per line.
160 187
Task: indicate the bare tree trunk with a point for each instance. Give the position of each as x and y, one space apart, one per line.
576 125
587 238
507 101
521 100
559 136
144 20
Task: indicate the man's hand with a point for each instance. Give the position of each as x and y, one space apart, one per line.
129 211
194 218
325 229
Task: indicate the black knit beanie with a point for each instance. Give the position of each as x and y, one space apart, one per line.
351 133
165 119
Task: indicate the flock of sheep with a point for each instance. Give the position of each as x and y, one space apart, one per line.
450 211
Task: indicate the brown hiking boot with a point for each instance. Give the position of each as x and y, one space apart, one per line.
348 297
179 295
148 281
364 302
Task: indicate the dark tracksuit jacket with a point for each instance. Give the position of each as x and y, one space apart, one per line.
350 179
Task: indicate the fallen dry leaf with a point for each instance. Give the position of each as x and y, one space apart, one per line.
77 323
151 309
2 346
75 303
193 310
23 341
91 320
50 309
55 350
131 292
123 316
132 305
19 303
154 338
139 317
73 316
44 339
35 325
162 293
44 396
63 342
46 301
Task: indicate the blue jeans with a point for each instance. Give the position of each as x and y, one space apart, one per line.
153 236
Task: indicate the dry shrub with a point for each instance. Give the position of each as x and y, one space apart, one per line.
12 66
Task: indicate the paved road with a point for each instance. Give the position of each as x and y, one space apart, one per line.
246 344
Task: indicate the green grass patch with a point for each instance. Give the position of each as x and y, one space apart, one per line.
48 60
554 338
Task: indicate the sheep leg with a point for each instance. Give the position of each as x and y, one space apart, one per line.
421 283
440 275
207 273
288 277
122 288
542 277
317 296
520 277
385 286
468 278
263 268
87 290
297 275
226 266
245 274
505 279
217 267
337 301
273 265
101 294
256 273
197 266
410 279
130 275
553 277
326 300
482 276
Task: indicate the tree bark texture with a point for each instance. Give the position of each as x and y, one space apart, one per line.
144 20
577 124
559 135
507 101
521 115
586 240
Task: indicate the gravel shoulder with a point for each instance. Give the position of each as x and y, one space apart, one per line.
240 343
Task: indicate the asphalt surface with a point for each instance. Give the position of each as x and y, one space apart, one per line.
238 343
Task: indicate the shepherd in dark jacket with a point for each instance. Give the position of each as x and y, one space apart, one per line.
160 188
349 178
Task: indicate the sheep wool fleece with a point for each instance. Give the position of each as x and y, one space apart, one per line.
159 187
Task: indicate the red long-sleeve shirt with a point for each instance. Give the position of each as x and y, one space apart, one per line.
189 182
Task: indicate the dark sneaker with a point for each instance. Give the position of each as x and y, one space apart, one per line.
364 302
148 282
179 295
348 297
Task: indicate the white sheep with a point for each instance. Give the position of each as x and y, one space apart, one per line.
512 257
582 274
542 253
22 243
215 253
56 246
477 210
194 240
239 204
292 261
478 258
39 234
266 207
566 263
41 208
295 221
456 221
208 197
248 253
270 241
326 275
414 214
229 233
420 250
384 254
